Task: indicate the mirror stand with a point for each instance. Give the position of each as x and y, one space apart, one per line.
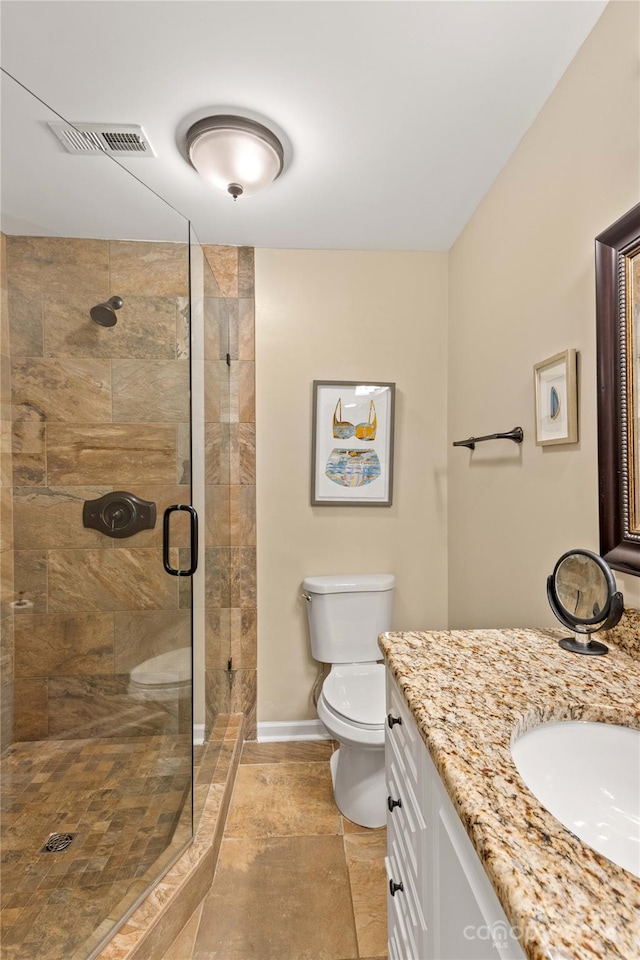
580 643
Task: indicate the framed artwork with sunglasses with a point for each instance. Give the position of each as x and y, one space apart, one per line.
352 443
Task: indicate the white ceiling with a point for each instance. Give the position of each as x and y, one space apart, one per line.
397 115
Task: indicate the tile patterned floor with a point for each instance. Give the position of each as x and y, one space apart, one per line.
295 880
122 798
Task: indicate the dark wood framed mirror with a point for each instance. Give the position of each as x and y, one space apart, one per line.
618 345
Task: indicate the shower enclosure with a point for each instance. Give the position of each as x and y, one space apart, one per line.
98 606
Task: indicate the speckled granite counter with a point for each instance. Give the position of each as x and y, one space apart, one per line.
470 692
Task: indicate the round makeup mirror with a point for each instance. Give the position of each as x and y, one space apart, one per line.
583 596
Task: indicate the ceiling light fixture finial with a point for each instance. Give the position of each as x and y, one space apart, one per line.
238 156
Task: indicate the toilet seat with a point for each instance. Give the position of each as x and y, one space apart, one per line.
341 726
355 692
349 731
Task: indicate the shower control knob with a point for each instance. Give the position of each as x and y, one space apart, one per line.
391 803
395 887
119 514
391 720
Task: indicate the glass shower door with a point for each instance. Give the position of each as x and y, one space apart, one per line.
97 636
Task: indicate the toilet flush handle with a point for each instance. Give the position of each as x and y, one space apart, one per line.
307 597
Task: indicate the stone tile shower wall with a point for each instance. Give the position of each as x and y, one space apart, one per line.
6 516
230 529
83 399
94 410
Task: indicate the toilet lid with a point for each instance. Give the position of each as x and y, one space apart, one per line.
356 691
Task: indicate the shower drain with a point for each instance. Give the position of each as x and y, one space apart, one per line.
58 842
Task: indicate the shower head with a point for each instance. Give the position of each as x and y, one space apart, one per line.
104 314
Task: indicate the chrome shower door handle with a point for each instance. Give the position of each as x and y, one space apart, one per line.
193 522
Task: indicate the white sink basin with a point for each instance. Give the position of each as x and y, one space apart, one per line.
588 776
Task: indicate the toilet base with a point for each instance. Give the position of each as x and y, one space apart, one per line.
359 784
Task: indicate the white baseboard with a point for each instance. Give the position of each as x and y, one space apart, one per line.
275 731
198 733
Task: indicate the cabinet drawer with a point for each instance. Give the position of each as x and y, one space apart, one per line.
396 748
413 911
406 823
406 923
404 857
398 941
399 788
402 945
403 735
406 815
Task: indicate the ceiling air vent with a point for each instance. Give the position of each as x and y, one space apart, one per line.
93 138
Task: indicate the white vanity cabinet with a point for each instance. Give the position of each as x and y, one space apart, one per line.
441 905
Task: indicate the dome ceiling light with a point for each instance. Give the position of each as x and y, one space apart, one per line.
234 154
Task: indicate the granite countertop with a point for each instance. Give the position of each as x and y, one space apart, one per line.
470 692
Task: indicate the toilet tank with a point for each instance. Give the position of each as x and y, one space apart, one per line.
346 615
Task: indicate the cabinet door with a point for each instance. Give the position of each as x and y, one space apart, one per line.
461 929
468 920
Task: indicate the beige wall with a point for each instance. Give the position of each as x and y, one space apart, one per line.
522 289
331 315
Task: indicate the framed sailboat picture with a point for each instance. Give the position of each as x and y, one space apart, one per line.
352 443
556 400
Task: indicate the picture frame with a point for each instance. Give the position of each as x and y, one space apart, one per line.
556 399
352 437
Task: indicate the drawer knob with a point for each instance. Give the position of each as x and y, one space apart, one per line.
394 887
391 720
391 803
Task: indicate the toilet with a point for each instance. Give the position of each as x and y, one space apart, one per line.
346 615
166 677
161 687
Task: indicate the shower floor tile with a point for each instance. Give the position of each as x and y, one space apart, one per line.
121 798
